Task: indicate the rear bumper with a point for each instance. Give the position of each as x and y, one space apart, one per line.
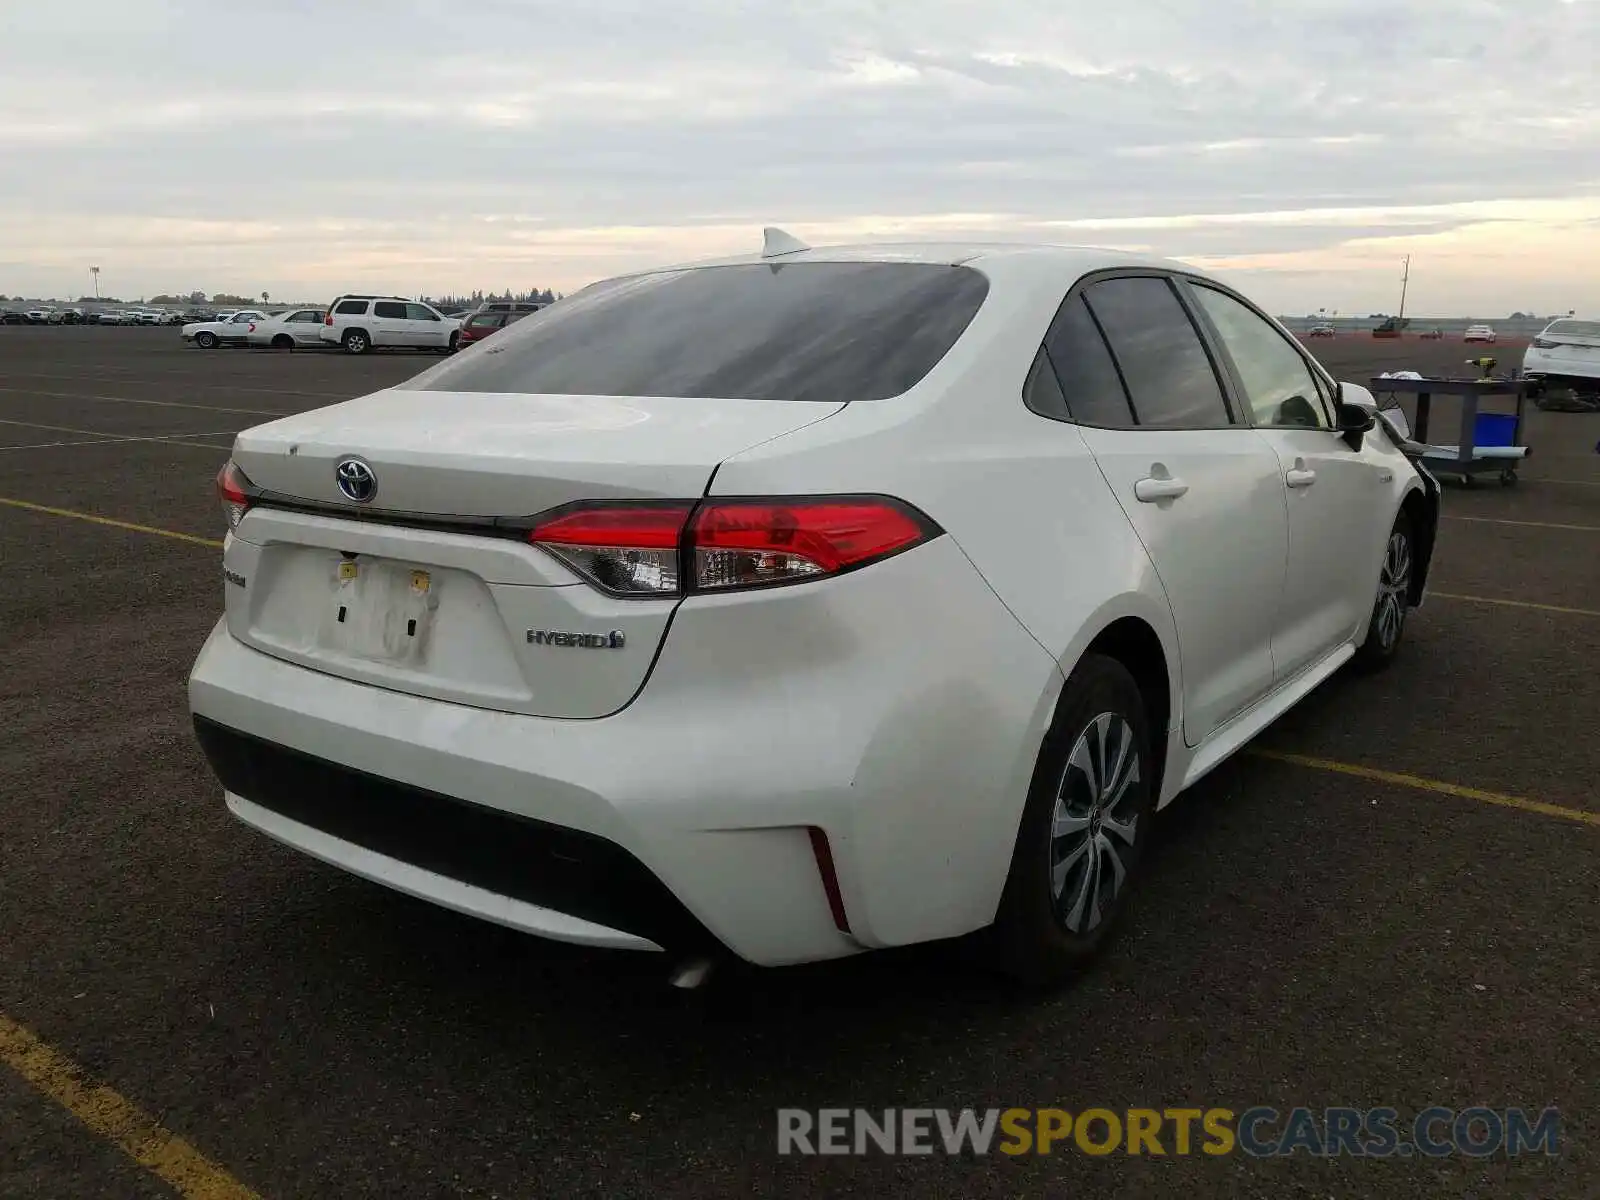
511 870
907 737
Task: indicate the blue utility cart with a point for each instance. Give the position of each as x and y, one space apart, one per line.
1487 442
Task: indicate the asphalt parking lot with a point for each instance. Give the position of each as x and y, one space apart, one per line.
1325 921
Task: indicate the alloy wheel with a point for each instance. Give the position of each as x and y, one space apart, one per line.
1394 587
1095 823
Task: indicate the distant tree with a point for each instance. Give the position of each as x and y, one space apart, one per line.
1518 316
166 299
266 297
547 296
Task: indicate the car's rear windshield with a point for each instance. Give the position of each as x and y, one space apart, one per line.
486 320
1588 329
796 331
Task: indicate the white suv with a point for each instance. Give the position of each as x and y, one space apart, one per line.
360 323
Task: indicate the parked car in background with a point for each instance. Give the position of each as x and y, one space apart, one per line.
1323 330
1564 354
231 332
481 324
40 316
360 323
985 538
1478 333
299 327
13 317
510 306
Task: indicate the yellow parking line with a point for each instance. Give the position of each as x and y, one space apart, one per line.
133 1131
1439 787
1529 524
30 506
1555 608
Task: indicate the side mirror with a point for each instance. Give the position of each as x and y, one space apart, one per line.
1354 422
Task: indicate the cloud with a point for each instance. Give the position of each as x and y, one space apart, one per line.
304 147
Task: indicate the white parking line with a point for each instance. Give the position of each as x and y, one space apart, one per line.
104 439
199 381
1528 524
215 408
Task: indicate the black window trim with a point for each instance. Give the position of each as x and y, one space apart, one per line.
1203 332
1326 386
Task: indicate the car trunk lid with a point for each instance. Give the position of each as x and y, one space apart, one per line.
427 587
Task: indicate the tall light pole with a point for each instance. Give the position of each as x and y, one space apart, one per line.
95 272
1404 280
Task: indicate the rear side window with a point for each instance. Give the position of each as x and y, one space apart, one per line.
796 331
420 312
485 321
1171 382
389 308
1089 379
352 308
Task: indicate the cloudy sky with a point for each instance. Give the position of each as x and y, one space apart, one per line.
1301 147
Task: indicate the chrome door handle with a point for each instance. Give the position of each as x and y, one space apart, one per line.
1152 489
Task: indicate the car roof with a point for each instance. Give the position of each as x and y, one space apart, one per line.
1050 259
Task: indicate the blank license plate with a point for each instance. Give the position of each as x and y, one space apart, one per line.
379 610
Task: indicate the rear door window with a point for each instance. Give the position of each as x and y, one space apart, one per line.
797 331
1090 385
420 312
389 309
1170 379
352 308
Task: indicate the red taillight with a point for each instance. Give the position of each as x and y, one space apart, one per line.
745 543
233 490
328 320
628 549
252 328
722 545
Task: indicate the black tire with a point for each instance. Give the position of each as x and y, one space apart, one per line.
356 341
1041 937
455 343
283 342
1386 626
206 340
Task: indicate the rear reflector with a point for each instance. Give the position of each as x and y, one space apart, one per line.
830 877
667 548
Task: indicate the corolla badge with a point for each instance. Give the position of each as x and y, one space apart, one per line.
356 480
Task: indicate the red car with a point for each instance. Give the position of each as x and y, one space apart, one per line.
480 325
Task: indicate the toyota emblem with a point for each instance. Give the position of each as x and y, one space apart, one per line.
356 480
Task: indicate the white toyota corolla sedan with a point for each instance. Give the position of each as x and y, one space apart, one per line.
804 603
